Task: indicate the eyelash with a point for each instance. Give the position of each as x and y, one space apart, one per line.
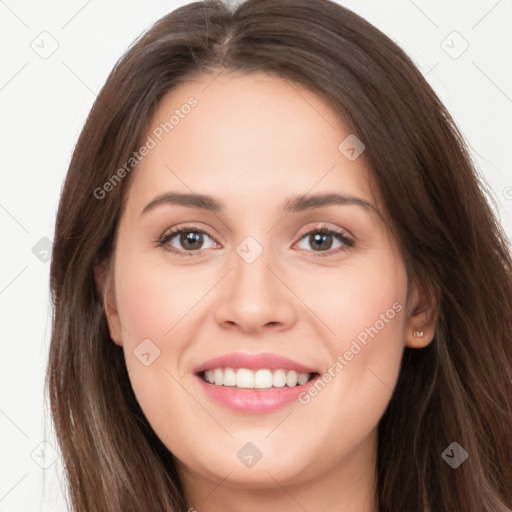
163 240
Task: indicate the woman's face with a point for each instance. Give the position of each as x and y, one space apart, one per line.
274 265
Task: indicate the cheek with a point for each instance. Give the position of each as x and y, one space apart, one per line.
362 300
154 306
365 309
155 300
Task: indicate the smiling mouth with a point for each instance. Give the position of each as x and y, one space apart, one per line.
261 379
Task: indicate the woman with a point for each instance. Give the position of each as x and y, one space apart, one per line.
208 352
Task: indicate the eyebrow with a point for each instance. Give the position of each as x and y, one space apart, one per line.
291 205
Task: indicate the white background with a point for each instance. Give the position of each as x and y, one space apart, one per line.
44 103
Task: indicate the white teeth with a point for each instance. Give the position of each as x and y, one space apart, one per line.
229 377
259 379
244 378
279 379
263 379
291 378
302 378
218 375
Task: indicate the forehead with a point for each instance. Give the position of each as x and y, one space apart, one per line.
248 136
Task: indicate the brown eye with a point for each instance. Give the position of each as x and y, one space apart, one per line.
186 239
191 240
324 239
320 241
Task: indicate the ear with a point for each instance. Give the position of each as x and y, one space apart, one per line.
423 308
104 277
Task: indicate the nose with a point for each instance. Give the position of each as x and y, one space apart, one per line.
255 296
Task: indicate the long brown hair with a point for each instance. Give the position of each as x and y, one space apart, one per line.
457 389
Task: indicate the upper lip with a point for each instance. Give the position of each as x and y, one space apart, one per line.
253 362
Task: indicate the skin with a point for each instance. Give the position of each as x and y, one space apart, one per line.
253 141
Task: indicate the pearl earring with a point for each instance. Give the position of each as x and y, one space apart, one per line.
417 334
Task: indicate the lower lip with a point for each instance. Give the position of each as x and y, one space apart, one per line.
254 401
